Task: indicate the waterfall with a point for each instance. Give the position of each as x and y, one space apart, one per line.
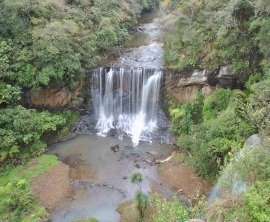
126 100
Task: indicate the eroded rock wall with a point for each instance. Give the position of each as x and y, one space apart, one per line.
54 98
184 85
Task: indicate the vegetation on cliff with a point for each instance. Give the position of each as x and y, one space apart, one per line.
212 129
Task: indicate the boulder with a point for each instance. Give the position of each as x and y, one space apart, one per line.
230 177
227 77
198 77
253 141
154 154
184 85
115 148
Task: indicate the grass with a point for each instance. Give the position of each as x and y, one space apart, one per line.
29 170
159 210
17 202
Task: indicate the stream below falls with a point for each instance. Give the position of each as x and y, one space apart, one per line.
127 114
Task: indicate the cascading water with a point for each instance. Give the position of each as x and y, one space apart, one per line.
126 100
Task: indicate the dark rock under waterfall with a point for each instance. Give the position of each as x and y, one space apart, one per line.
126 103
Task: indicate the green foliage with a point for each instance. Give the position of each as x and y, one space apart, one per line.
141 203
136 178
71 119
218 131
252 206
9 94
257 199
258 106
140 197
251 165
47 43
209 33
22 131
189 113
17 202
215 103
255 164
172 211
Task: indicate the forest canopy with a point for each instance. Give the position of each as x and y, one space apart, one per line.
51 44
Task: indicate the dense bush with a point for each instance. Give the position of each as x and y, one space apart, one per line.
209 33
18 202
186 115
258 106
218 131
257 199
172 211
48 43
22 131
251 205
216 103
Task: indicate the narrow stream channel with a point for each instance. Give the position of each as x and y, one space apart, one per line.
126 104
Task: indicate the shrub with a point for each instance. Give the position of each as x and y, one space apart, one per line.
22 131
258 107
221 131
189 113
141 203
215 103
257 199
17 202
172 211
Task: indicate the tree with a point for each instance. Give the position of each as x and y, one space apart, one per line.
140 197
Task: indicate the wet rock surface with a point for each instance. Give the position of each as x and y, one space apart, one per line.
87 125
115 148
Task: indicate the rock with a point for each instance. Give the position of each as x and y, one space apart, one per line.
253 141
184 200
115 148
226 77
154 154
198 77
137 165
113 132
184 85
52 98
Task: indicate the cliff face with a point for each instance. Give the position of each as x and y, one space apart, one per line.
184 85
54 98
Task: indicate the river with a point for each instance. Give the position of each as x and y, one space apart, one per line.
128 132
